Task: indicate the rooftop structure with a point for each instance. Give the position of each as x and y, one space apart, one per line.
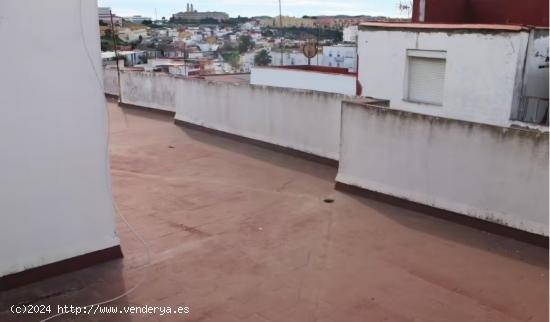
138 19
241 202
194 15
349 34
104 15
492 74
275 114
239 231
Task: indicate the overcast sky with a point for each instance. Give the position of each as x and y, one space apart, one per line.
255 7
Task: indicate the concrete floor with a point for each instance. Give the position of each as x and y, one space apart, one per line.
241 233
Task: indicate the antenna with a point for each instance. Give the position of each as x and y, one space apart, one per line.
114 38
405 7
282 33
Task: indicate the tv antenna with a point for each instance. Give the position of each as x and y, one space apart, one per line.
405 7
282 31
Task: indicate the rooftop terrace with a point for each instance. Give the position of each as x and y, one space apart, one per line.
241 233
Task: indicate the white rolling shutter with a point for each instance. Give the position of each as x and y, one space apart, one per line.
426 79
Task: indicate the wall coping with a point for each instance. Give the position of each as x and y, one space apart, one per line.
432 118
447 27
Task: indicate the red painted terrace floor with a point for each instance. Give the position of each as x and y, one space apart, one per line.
241 233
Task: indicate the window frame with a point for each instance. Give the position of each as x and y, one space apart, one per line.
422 53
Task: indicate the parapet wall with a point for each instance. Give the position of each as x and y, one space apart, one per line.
306 121
483 171
318 80
302 120
110 81
148 89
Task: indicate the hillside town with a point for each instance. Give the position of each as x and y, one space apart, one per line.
203 43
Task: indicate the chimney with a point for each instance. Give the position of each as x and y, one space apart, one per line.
192 8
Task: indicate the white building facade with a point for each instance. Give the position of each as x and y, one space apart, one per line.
132 35
340 56
104 15
315 79
466 72
138 19
349 34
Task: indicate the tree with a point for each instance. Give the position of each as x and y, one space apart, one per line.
245 43
262 58
146 22
208 21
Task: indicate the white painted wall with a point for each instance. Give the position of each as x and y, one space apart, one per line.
301 79
292 58
340 56
149 89
55 191
302 120
482 76
110 81
483 171
349 34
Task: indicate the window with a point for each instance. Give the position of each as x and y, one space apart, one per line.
426 76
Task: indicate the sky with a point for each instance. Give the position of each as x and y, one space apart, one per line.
298 8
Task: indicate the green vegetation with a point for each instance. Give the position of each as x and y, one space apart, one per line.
232 57
245 43
107 41
262 58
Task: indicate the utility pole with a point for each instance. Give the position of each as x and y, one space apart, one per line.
282 33
113 37
318 42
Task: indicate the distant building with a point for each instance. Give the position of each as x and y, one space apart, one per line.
104 15
173 50
138 19
287 21
193 15
129 35
340 56
349 34
292 58
133 57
